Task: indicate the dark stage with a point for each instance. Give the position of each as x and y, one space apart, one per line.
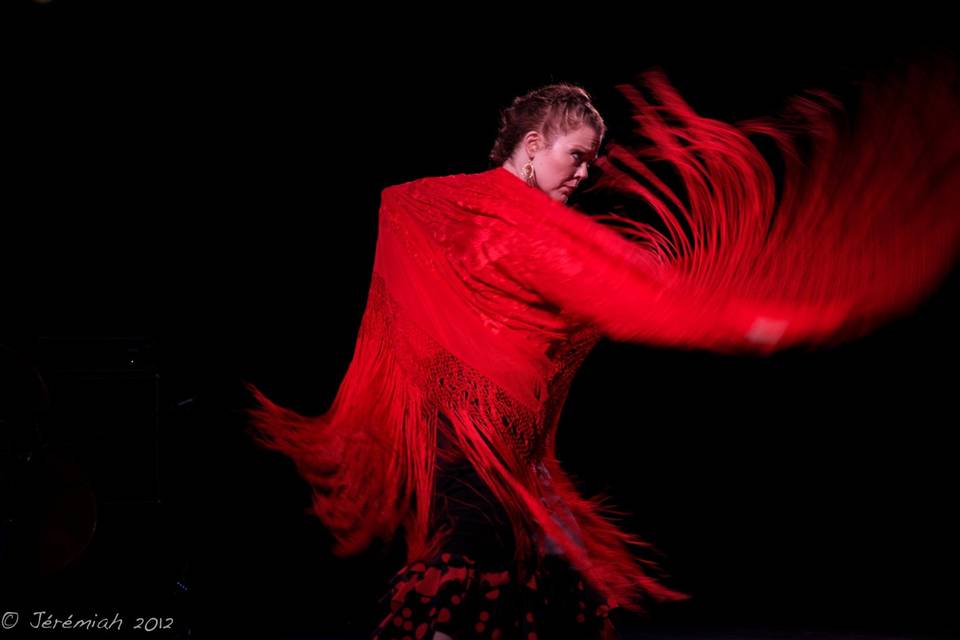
194 206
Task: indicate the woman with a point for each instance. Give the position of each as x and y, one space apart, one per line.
488 292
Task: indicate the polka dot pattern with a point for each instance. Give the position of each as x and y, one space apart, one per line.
455 595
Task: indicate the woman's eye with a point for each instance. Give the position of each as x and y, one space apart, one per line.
576 157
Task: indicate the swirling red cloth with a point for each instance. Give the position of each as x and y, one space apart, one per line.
487 296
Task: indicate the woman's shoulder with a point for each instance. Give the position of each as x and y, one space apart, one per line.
459 182
452 204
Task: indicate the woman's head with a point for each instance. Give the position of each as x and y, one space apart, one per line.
548 137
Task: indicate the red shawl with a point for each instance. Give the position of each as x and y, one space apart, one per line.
486 297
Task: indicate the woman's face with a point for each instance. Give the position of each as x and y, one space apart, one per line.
563 165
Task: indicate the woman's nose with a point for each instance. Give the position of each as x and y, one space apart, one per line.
581 171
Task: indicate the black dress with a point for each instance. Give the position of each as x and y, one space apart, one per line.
470 588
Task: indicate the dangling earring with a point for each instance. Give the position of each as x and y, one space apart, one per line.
528 174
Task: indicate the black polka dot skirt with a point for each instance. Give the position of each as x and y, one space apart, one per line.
470 589
455 595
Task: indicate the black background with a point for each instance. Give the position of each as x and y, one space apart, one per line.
209 180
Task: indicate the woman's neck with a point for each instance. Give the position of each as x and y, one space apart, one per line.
510 166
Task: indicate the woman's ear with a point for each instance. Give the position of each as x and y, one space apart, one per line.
532 142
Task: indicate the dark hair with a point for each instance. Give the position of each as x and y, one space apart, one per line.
551 110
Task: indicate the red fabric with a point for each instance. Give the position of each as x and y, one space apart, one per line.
486 296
